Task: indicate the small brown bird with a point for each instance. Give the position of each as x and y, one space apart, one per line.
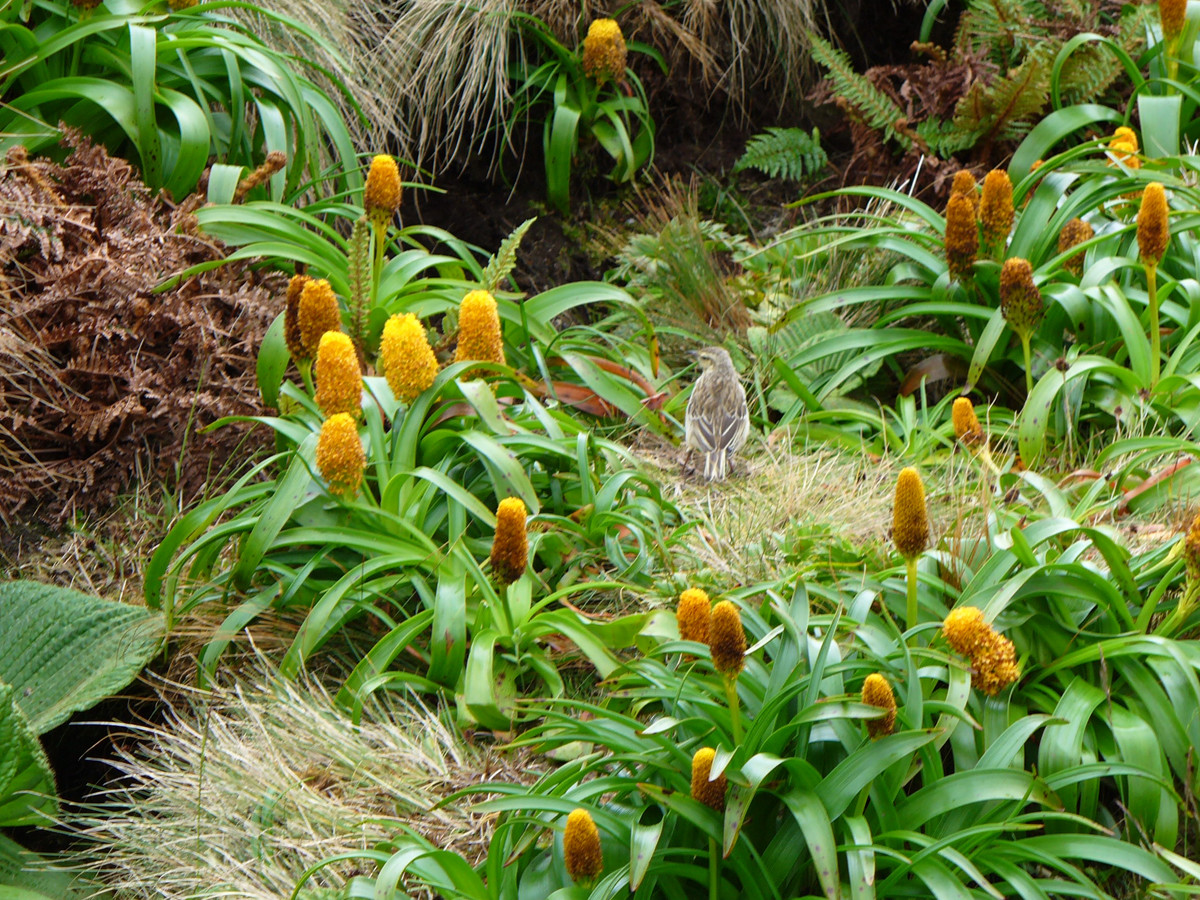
717 421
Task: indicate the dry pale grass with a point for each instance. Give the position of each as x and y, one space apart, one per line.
239 789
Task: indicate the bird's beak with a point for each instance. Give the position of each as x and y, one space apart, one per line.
693 353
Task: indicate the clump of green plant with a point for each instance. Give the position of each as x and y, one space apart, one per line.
388 491
1043 282
171 89
585 96
792 740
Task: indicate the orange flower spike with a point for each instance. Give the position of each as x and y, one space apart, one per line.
727 640
406 358
604 51
996 213
1153 231
291 318
510 546
383 191
962 237
479 334
339 377
710 793
694 615
910 518
318 313
878 693
340 456
581 848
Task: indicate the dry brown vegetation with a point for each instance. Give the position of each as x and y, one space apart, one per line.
101 378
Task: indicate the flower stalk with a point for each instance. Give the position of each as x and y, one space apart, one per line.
1153 233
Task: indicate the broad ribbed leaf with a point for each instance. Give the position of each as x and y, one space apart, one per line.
65 650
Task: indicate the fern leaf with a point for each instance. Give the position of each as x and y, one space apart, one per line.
944 137
1004 110
874 106
504 260
784 153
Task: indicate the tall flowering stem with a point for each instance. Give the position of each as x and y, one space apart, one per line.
1153 234
1022 306
1172 15
710 792
910 531
381 200
727 641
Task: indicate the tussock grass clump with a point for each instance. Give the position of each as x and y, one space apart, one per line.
243 787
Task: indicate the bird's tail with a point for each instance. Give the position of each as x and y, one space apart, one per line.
715 465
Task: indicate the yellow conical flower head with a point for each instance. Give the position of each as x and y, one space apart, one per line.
1123 145
406 358
318 314
1020 300
878 693
966 631
962 236
910 520
1191 551
710 793
966 424
964 184
996 213
604 51
381 196
727 640
340 456
995 665
1152 229
581 848
291 317
339 378
1073 234
510 546
1173 16
694 615
479 334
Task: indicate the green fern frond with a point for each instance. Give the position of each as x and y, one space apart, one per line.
1088 72
867 101
944 137
1004 110
504 260
784 153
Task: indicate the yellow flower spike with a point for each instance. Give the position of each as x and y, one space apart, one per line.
694 615
604 51
878 693
382 194
581 848
1172 14
479 335
727 640
710 793
964 183
910 519
318 313
966 631
510 546
910 533
966 424
1020 300
1021 305
340 456
1123 145
995 665
1153 233
291 317
996 213
339 377
406 358
1072 235
962 236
